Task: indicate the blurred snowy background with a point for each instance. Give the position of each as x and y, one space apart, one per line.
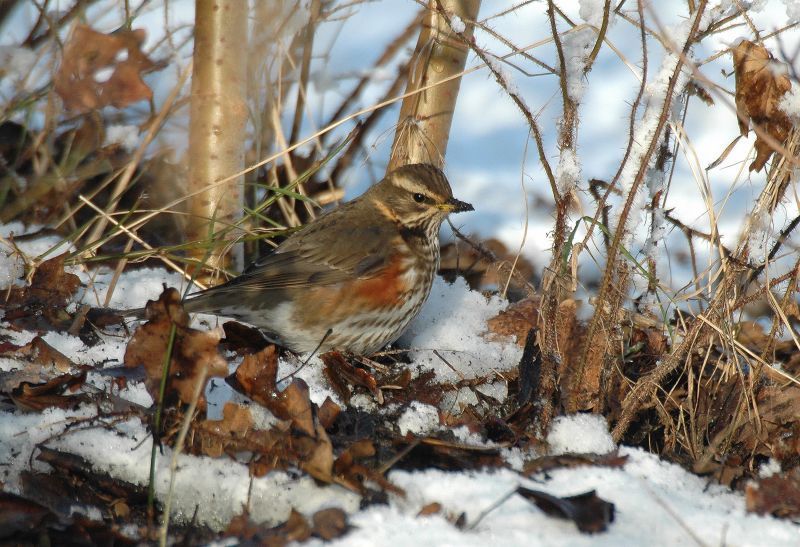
491 160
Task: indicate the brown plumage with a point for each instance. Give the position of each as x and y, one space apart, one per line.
361 271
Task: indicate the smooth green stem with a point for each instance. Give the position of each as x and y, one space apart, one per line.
162 389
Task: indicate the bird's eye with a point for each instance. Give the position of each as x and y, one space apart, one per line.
419 198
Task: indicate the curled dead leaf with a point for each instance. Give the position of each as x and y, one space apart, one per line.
759 89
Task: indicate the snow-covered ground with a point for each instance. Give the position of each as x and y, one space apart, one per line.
657 503
491 164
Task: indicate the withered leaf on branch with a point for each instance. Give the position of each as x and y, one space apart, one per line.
192 352
759 88
82 81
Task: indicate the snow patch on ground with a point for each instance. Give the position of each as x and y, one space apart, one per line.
418 418
580 434
453 322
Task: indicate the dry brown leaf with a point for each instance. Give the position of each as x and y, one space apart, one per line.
192 352
778 495
37 397
236 423
40 306
482 273
516 320
312 444
433 508
759 89
340 372
88 55
330 524
296 528
328 413
50 285
257 377
39 352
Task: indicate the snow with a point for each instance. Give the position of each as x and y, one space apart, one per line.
790 102
568 172
126 135
457 24
453 323
579 434
656 502
792 11
419 419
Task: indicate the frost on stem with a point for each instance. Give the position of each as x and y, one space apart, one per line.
656 94
591 11
457 24
568 172
758 241
504 78
577 44
658 229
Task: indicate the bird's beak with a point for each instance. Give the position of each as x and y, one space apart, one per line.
453 205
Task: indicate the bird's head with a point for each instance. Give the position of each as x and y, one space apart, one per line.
417 195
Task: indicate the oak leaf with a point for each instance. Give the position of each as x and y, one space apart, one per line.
759 89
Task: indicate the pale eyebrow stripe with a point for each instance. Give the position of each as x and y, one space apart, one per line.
407 184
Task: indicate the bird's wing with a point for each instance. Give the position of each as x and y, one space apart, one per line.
333 249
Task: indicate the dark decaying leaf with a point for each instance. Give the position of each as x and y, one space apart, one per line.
41 305
590 513
568 461
80 471
37 397
243 339
19 516
450 456
61 493
340 373
328 524
778 495
193 351
529 369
